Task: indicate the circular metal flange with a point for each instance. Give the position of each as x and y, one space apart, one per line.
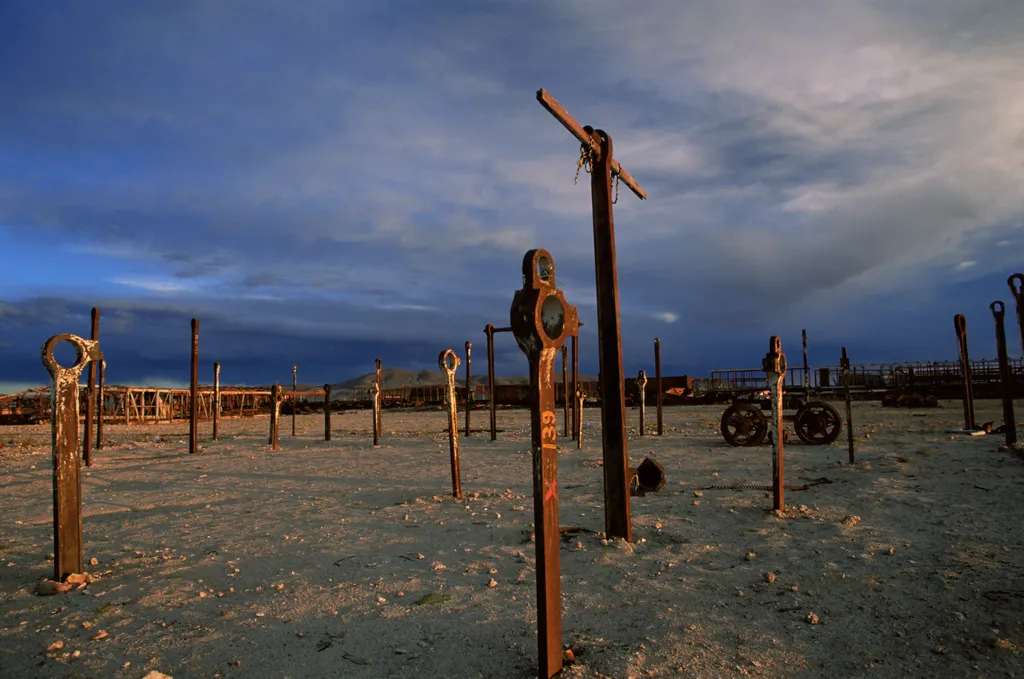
818 424
743 424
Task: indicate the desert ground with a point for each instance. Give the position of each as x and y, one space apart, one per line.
336 559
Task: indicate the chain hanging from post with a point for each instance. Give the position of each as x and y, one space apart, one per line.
275 414
844 367
1005 374
774 366
641 385
960 324
541 321
449 362
67 471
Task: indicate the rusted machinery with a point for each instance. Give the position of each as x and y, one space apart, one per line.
816 423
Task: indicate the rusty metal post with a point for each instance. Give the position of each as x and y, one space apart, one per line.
469 385
960 323
193 406
90 403
449 363
65 441
1005 374
807 368
378 421
275 413
844 366
596 150
565 391
641 385
575 383
327 412
1016 283
541 321
580 398
489 331
216 399
774 366
295 388
375 398
657 384
99 406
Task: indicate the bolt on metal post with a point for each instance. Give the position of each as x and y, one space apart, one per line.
641 385
960 324
193 409
774 366
216 400
448 361
541 321
275 413
657 384
65 441
1005 374
327 412
844 367
90 403
469 385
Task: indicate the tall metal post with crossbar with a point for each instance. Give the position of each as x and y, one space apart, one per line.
596 156
541 321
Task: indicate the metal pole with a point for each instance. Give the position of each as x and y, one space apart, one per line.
541 321
295 388
67 472
378 405
1016 283
774 366
657 383
844 365
327 412
807 368
275 413
216 399
580 397
99 406
449 363
565 391
960 324
613 395
641 385
1005 375
90 403
489 331
375 400
193 410
575 384
469 384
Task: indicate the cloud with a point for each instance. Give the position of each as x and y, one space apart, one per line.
963 266
667 317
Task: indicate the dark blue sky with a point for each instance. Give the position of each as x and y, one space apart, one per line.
323 182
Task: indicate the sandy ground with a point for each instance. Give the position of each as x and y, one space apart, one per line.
317 560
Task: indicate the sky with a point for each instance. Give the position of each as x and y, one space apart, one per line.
329 181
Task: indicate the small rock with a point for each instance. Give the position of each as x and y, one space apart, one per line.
51 587
940 650
438 566
492 583
698 493
769 577
94 561
55 646
76 654
101 634
812 619
751 556
153 674
851 520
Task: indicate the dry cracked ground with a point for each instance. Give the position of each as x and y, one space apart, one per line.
338 559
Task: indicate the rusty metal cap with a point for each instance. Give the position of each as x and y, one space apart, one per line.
774 361
998 309
540 317
1016 283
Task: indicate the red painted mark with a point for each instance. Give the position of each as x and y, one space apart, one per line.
552 491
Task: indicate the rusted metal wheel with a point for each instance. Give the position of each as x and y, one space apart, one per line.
818 423
794 403
743 424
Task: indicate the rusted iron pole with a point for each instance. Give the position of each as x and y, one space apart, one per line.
469 385
580 397
275 413
193 409
99 406
489 331
1005 375
295 388
541 321
844 366
378 421
596 149
657 384
375 399
960 323
216 399
575 383
90 403
65 441
449 363
641 385
1016 283
807 368
327 412
774 366
565 391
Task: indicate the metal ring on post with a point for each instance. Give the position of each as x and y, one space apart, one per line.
449 362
